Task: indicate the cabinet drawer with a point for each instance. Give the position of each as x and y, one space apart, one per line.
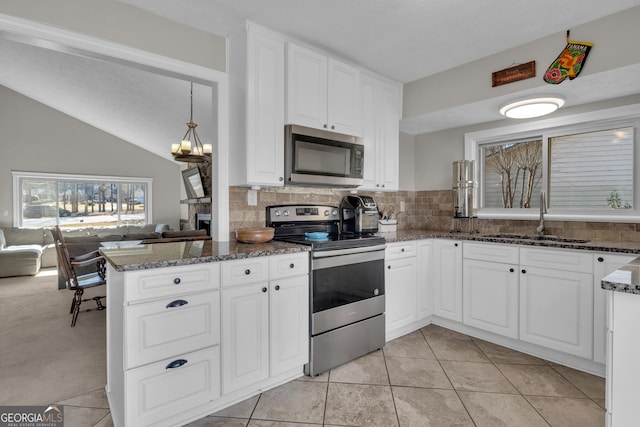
400 250
172 281
557 259
506 254
159 394
288 265
171 326
245 271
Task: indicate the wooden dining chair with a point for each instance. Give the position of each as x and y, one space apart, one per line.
79 282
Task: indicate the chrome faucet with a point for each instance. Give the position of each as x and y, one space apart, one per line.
543 210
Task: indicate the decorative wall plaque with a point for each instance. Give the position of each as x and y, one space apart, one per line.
513 74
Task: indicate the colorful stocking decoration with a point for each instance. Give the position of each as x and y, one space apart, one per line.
569 63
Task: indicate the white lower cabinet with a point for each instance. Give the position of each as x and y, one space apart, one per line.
185 341
603 264
447 279
424 280
490 287
289 317
400 285
171 326
163 343
623 369
164 393
265 323
490 296
245 334
556 300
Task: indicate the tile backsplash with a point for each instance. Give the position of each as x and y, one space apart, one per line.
427 210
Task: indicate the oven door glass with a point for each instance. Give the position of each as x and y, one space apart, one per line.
345 279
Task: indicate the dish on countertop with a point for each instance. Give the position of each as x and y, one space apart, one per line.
255 234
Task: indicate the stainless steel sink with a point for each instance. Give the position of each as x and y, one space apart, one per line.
536 238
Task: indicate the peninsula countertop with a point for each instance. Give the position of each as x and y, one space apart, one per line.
625 279
137 256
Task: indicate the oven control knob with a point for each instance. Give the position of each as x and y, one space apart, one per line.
285 213
326 213
334 212
376 292
277 213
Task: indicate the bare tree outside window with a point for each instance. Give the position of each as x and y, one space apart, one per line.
512 173
589 171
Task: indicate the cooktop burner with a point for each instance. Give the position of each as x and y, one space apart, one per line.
302 223
335 241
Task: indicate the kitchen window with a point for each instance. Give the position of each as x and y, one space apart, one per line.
46 200
588 168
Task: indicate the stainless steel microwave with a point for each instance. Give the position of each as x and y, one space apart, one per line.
316 157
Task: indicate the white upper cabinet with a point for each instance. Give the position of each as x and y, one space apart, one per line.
381 109
322 92
257 89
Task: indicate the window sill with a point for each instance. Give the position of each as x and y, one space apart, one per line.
535 216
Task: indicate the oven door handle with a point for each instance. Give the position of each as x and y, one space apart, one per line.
348 251
348 259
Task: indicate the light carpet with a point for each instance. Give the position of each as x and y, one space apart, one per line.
42 359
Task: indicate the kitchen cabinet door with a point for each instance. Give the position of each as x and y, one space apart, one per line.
623 369
306 87
344 108
167 392
380 129
322 92
245 335
603 264
490 296
289 314
265 111
556 309
163 328
257 106
424 278
400 293
447 283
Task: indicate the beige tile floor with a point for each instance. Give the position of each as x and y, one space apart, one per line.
432 377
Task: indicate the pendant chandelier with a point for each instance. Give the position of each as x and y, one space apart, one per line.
190 149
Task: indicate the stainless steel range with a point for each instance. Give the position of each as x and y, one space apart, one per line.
347 296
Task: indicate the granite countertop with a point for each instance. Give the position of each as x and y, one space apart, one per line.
132 257
625 279
600 246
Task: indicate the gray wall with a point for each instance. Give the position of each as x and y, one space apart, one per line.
407 175
36 138
120 23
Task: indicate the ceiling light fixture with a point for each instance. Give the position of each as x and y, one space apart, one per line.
190 149
532 107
